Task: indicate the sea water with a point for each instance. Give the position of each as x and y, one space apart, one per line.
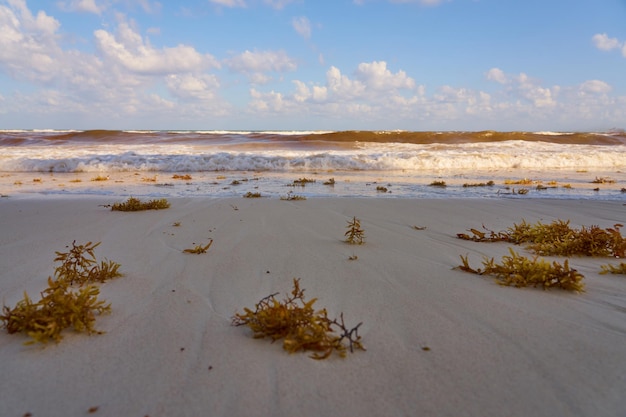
389 164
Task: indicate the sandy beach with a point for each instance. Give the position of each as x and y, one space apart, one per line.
440 342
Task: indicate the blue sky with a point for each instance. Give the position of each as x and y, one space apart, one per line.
313 64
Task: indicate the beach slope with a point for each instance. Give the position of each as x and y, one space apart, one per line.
440 342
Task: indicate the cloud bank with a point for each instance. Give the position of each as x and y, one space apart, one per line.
124 81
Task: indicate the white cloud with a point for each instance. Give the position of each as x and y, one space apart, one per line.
86 6
376 76
304 93
342 86
42 23
523 87
261 61
199 87
229 3
302 26
148 6
604 43
129 50
72 85
595 87
28 48
497 75
100 6
374 93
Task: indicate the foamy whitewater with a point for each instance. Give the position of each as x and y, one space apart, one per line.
381 164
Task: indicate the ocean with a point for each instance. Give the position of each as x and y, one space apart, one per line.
287 164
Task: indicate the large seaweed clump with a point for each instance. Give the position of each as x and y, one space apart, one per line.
301 327
519 271
61 306
558 238
134 204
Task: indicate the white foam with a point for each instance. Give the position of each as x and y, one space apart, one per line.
366 157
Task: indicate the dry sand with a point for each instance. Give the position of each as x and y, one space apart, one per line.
170 350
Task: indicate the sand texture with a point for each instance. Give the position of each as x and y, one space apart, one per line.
440 342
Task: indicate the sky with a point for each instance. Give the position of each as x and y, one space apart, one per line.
535 65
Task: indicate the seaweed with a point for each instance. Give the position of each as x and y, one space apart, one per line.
292 197
355 235
199 249
519 271
603 180
438 184
250 194
558 238
79 265
613 269
331 182
479 184
185 177
303 181
488 236
134 204
523 181
61 306
301 327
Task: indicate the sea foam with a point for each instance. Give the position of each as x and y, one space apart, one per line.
363 157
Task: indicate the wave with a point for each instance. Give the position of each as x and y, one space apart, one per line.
365 157
54 137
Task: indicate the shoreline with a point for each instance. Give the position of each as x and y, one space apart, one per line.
170 349
510 183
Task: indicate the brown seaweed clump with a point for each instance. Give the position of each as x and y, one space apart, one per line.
134 204
301 327
61 306
519 271
558 238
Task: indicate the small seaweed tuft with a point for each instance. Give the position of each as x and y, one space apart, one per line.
292 197
603 180
303 181
354 235
301 327
614 269
199 248
250 194
479 184
185 177
79 265
438 184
